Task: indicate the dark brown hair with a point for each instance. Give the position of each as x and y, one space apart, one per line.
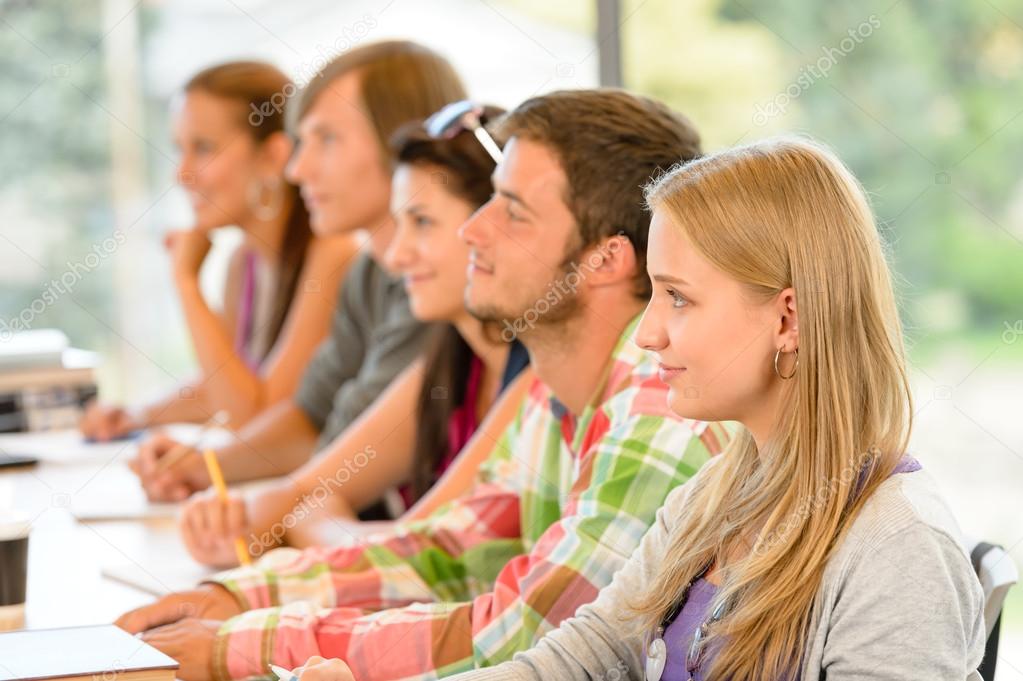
256 86
399 81
465 169
610 144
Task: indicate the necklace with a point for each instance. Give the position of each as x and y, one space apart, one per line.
657 649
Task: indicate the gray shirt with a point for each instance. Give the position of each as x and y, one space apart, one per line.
899 600
373 337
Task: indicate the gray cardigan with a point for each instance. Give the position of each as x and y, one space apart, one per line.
899 600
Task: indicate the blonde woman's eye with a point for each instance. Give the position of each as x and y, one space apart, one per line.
676 299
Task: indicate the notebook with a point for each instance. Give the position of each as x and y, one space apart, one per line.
159 578
104 651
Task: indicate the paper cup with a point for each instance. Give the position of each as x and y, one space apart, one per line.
14 530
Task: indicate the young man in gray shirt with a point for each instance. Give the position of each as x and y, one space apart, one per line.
343 123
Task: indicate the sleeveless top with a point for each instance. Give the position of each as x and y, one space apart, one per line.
252 333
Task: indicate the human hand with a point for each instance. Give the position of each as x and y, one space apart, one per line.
209 527
318 669
190 642
173 482
105 422
188 248
207 601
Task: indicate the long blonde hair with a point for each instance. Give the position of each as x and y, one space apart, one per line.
772 215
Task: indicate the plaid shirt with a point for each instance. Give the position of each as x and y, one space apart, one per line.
556 510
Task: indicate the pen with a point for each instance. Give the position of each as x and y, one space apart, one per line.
179 452
283 674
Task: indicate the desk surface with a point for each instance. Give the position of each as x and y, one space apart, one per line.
66 557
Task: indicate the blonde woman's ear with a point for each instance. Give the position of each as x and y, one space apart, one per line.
787 328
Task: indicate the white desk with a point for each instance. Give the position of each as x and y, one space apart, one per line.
65 585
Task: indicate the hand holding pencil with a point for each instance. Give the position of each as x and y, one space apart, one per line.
209 526
213 469
214 525
170 470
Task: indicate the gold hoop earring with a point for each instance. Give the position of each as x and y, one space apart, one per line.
266 210
780 375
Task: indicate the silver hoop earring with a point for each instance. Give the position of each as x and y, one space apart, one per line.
780 375
266 210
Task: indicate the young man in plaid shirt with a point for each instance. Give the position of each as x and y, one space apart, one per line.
572 485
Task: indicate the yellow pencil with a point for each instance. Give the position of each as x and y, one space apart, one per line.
217 478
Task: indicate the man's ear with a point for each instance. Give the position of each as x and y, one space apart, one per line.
276 151
611 261
787 321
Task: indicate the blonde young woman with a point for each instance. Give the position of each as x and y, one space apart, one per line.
814 547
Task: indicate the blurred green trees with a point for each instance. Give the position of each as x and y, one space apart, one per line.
923 99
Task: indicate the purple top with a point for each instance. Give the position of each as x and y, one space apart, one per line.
246 313
678 635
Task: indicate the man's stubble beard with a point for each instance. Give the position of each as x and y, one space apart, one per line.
554 322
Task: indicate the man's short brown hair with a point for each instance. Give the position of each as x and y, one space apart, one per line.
610 144
399 81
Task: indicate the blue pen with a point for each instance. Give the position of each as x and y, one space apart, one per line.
283 674
131 435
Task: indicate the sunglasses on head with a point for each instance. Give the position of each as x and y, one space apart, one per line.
460 117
